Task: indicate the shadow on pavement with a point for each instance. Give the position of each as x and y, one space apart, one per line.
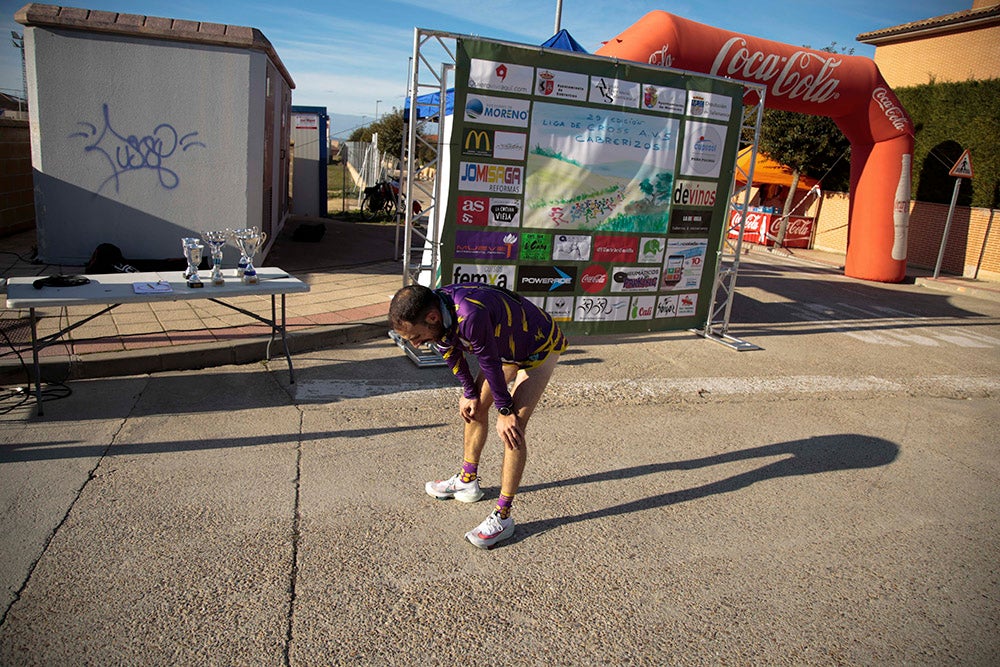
68 449
810 456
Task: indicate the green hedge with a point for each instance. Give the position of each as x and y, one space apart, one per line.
949 118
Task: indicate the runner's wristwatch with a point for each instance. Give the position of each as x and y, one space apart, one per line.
506 411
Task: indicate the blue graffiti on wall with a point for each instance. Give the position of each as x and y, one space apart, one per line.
132 153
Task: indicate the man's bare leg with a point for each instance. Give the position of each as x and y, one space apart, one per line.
529 386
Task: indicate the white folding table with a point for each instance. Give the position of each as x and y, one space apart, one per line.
115 289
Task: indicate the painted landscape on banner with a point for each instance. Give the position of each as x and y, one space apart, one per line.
599 170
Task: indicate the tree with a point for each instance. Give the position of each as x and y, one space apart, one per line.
390 130
810 145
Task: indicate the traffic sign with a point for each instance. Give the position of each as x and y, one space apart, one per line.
962 168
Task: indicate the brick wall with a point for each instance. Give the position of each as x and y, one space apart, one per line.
17 197
966 238
958 56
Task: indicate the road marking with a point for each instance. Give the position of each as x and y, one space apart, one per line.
667 388
880 325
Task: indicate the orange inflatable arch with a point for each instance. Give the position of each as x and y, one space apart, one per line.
848 89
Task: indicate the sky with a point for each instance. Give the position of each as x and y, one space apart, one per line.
353 57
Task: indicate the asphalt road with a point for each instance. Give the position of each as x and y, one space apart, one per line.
830 499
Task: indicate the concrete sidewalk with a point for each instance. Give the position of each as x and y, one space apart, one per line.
352 273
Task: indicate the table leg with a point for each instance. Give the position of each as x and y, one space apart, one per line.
34 361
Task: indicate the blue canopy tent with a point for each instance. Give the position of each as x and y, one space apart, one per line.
429 105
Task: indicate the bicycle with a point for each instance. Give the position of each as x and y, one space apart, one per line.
379 199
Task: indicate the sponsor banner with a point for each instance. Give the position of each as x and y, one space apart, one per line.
509 145
502 77
480 142
499 178
477 142
690 222
485 245
642 308
686 304
561 85
505 212
537 300
707 105
635 279
683 267
607 90
488 211
598 192
601 309
703 148
546 278
497 275
594 279
695 193
663 99
666 306
615 248
472 211
497 111
572 247
651 250
560 307
536 247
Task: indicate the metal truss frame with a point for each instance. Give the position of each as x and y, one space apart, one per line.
425 225
728 265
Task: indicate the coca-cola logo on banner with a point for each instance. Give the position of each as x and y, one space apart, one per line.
803 75
887 102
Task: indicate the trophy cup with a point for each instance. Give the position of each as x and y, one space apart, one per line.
216 240
192 253
234 234
249 241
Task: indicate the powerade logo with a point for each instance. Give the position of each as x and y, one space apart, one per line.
497 111
546 279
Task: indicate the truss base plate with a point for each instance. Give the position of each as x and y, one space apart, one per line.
728 341
423 357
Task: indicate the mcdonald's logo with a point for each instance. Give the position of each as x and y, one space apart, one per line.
478 142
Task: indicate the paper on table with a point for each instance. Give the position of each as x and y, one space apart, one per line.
158 287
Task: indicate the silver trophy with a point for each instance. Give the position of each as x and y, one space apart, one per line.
250 241
216 240
192 253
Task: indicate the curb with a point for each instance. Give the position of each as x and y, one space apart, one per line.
190 357
950 286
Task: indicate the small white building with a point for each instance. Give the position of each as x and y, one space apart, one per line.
145 130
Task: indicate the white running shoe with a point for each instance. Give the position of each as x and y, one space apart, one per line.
491 531
465 492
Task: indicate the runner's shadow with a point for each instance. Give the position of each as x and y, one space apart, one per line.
810 456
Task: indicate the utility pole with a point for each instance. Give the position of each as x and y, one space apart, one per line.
18 40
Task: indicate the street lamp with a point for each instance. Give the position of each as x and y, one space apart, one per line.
377 102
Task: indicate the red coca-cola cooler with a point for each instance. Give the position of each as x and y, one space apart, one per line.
753 228
798 233
762 228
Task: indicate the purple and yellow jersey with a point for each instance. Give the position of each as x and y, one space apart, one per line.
499 327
